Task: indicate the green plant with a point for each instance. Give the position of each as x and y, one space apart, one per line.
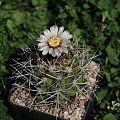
65 82
4 112
19 21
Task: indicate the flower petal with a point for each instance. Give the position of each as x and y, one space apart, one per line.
43 37
42 44
50 50
54 30
66 35
60 49
41 40
47 34
53 53
57 52
65 50
64 44
43 48
45 51
61 29
69 36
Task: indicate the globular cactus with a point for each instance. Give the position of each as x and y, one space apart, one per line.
61 85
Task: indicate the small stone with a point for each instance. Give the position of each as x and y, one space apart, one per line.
77 112
92 80
17 100
70 111
82 97
61 114
27 94
50 112
23 95
24 91
46 111
72 106
35 108
12 98
79 118
22 103
81 104
66 114
29 103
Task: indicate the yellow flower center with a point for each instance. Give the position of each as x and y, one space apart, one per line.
54 42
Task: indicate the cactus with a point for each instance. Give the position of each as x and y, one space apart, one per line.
61 86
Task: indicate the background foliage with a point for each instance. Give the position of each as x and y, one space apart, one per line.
97 21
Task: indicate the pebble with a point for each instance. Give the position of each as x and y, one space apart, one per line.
23 95
22 103
17 101
66 114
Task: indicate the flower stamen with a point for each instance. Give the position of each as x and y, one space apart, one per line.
54 42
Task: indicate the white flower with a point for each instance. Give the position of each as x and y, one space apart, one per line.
54 41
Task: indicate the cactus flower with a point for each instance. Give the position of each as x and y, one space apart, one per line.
54 41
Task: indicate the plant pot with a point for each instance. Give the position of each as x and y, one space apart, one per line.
25 113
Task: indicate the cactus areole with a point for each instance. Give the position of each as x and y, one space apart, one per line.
61 81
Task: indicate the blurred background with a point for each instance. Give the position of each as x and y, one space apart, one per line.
96 21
